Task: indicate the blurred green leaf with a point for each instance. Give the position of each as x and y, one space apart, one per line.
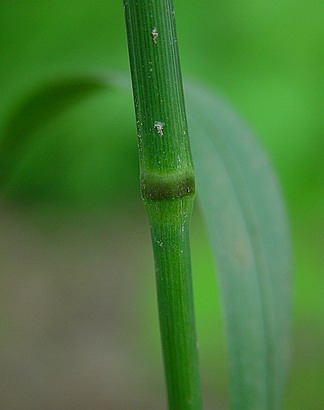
40 107
246 221
60 147
47 103
37 110
244 214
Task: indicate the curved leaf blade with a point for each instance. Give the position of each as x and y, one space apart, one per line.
245 218
40 107
242 206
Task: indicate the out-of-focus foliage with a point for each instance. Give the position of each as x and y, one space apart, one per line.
246 221
265 58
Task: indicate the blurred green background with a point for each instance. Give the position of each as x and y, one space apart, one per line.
78 319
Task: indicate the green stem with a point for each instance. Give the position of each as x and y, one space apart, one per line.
167 185
170 236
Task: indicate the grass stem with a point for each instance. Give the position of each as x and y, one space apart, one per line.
167 186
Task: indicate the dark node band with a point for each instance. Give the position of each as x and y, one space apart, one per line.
167 187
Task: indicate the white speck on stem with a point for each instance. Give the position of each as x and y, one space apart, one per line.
155 35
159 126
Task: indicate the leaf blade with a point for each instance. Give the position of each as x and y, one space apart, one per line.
246 221
41 106
256 299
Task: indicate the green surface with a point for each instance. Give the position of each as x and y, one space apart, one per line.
170 221
266 59
245 218
162 129
167 187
